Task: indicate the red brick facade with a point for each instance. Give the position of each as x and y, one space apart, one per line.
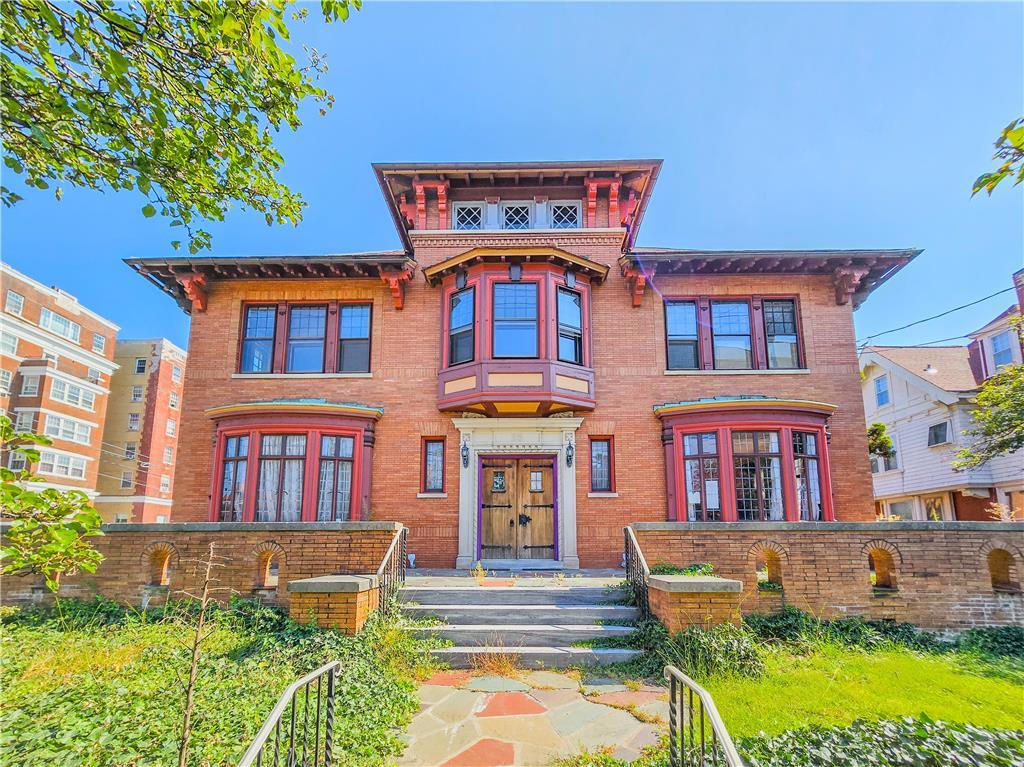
625 340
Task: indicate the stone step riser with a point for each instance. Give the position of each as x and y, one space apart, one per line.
543 614
535 657
505 596
522 636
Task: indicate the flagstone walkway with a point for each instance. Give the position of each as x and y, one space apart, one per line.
533 719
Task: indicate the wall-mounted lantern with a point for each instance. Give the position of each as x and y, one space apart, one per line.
465 453
570 453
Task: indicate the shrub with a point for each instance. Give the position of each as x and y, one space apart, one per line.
1000 641
698 568
793 625
898 743
699 652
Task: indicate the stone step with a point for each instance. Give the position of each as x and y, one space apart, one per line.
514 635
504 595
537 657
499 614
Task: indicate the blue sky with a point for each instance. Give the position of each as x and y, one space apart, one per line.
781 126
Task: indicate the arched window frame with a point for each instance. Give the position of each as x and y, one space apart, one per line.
313 427
784 420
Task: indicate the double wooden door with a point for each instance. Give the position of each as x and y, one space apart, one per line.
517 508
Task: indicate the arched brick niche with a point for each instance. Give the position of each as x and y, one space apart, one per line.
292 461
747 459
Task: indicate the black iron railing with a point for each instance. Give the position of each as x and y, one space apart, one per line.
391 573
300 730
637 571
696 733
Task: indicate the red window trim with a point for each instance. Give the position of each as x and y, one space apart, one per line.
611 462
255 427
423 464
483 277
758 334
724 424
446 342
492 289
332 342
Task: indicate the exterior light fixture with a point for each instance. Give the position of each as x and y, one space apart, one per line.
515 272
570 453
570 278
465 453
460 279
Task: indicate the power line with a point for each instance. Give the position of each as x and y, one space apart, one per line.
864 343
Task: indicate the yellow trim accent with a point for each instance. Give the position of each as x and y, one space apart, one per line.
572 384
459 384
432 272
515 379
744 404
515 407
292 407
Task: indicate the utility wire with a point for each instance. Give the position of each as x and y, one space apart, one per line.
864 343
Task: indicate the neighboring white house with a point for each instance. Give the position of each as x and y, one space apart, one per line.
923 396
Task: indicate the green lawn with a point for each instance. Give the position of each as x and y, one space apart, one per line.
834 685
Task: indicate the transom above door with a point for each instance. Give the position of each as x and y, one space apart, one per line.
517 507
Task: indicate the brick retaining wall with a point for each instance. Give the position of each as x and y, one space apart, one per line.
940 569
134 554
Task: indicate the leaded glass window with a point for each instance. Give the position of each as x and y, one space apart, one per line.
702 477
808 475
334 485
258 339
757 474
780 334
601 465
433 466
281 473
515 217
565 216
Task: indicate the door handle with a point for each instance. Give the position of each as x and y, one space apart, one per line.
525 519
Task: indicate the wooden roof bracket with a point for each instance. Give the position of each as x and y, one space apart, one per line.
395 279
636 280
846 280
194 285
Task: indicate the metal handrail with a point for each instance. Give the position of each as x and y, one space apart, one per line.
689 742
270 733
637 571
391 573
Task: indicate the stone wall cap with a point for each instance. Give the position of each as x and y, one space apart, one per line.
243 527
830 527
694 584
333 584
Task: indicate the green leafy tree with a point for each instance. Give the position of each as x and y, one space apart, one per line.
998 419
177 99
1010 153
879 443
48 529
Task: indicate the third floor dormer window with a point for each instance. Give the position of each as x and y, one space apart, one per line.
517 215
468 216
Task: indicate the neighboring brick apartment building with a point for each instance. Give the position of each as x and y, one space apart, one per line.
519 380
141 433
923 395
56 361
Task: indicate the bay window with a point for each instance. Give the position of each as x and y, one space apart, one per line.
232 478
281 469
748 459
570 326
701 482
515 319
461 323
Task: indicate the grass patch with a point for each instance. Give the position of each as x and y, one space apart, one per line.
100 685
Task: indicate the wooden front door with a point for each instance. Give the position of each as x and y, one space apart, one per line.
518 508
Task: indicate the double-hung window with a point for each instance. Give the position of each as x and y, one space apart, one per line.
307 334
938 434
6 376
780 333
258 339
515 319
881 391
72 394
682 336
140 365
59 324
99 343
570 326
127 480
433 466
136 394
334 487
702 478
281 472
172 400
1002 351
133 421
461 321
731 335
62 427
354 339
232 478
61 464
808 476
130 449
29 386
15 303
757 474
8 343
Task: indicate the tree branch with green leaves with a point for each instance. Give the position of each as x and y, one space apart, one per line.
48 530
1010 154
178 100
